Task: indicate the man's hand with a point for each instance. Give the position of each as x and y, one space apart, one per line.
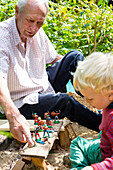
87 168
20 130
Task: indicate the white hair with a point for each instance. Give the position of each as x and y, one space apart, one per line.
95 71
22 3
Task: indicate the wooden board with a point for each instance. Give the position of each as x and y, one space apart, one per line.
3 121
19 165
4 125
42 150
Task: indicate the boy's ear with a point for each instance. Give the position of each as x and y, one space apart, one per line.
110 95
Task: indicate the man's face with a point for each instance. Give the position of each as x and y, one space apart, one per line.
30 19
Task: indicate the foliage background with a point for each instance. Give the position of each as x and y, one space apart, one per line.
74 24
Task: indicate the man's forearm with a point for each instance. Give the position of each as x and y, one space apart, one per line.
57 58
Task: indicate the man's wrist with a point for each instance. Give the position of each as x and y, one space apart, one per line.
11 113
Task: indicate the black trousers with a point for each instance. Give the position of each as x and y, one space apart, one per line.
59 74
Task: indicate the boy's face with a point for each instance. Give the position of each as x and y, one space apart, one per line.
96 100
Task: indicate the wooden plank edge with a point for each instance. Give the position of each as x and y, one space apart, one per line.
19 165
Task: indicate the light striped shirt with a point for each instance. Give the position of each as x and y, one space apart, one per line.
25 69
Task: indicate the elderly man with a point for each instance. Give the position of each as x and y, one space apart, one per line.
26 86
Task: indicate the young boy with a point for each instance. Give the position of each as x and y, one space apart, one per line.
94 79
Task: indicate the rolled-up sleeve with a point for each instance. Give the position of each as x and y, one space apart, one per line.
50 52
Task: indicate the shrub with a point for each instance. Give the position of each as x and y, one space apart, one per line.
75 24
85 26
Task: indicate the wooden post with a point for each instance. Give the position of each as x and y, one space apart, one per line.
71 131
64 140
39 163
42 164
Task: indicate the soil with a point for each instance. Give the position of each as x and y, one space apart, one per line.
57 157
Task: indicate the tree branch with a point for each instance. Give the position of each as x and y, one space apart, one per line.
88 40
101 39
95 35
111 49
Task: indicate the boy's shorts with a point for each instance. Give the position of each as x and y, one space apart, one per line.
84 152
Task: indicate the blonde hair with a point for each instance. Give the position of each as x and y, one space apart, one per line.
95 71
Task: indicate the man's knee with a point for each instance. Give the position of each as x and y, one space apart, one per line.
73 57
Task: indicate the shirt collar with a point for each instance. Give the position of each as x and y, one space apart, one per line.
16 37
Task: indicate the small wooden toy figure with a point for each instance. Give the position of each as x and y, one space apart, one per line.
56 113
46 130
40 124
37 136
36 118
48 120
38 121
46 140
